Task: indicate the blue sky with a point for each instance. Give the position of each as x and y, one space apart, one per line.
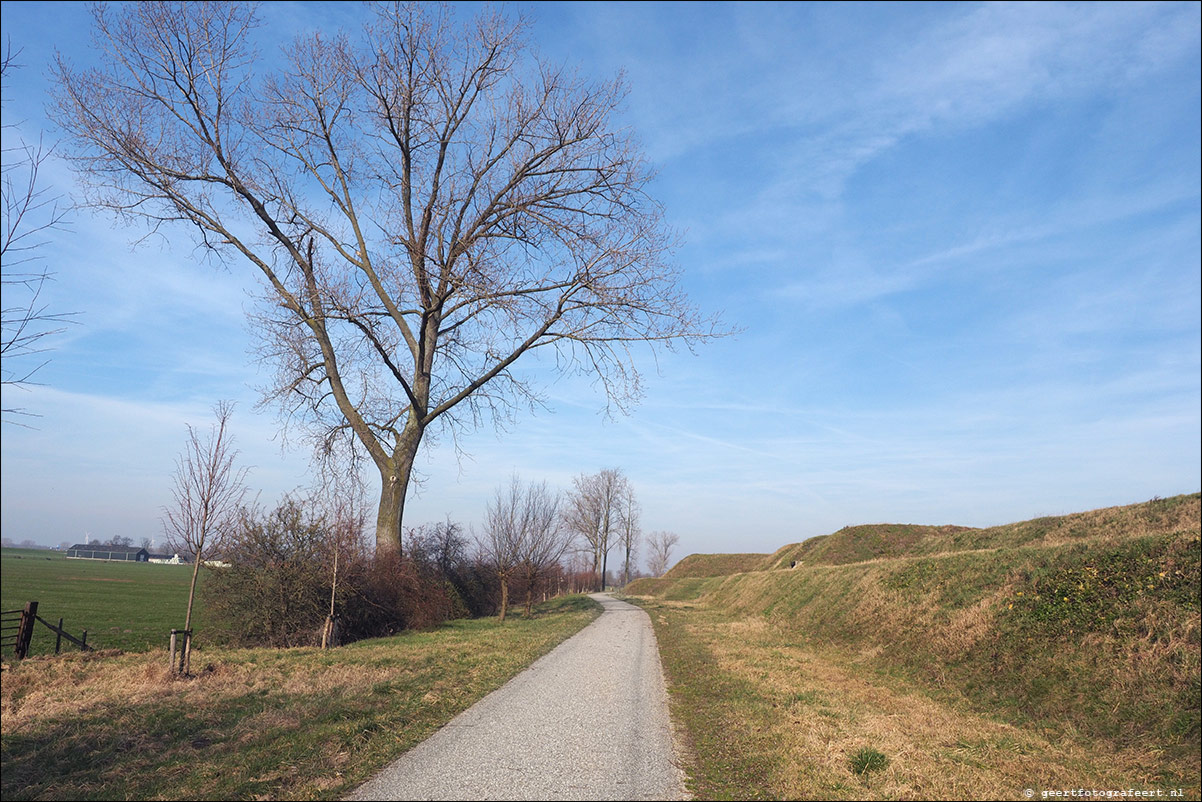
960 241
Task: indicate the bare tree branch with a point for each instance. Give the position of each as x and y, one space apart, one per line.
29 214
659 546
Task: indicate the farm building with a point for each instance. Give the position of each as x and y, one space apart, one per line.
103 551
169 559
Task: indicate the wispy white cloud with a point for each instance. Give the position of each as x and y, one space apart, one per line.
847 283
104 464
988 62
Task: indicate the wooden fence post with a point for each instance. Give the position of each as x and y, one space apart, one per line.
331 635
184 647
25 632
180 667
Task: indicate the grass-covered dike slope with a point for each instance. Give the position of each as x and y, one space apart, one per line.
1079 635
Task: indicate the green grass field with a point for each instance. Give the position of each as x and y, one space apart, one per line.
129 606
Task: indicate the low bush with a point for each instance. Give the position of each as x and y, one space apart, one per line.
276 590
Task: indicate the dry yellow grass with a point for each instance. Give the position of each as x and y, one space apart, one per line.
935 750
806 709
74 686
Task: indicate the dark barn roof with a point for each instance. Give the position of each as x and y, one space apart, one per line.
104 551
106 547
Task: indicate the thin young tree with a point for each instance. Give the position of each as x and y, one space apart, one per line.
426 203
505 527
545 539
343 522
659 548
629 531
207 493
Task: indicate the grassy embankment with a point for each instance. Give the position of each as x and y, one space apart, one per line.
129 606
1052 654
254 723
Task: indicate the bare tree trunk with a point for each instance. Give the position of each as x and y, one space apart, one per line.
186 658
394 487
391 512
504 598
327 632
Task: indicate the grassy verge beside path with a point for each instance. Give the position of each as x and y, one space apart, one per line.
255 723
767 715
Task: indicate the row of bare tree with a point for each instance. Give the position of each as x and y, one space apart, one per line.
528 529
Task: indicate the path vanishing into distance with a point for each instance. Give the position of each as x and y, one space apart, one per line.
588 720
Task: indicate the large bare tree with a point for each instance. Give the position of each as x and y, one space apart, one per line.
207 494
426 202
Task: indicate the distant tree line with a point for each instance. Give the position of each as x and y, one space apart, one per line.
306 571
309 563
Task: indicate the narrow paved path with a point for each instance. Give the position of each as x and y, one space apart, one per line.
588 720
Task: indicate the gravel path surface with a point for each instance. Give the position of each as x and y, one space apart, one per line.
588 720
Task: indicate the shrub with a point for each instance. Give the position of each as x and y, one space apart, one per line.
276 591
441 553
